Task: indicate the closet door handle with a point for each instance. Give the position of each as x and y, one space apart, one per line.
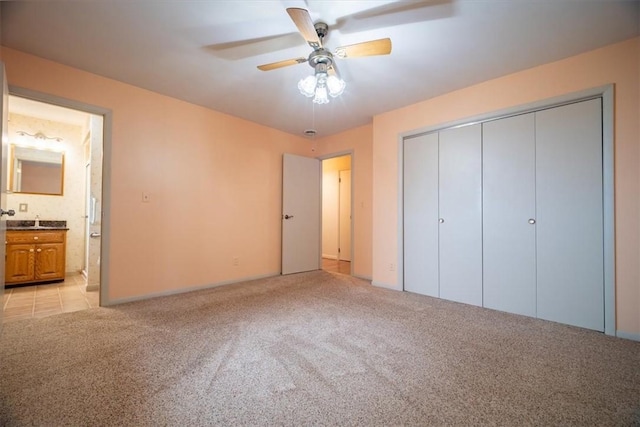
441 220
532 221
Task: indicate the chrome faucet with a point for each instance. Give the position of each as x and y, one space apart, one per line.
37 224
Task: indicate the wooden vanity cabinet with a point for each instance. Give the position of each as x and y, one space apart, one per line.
35 256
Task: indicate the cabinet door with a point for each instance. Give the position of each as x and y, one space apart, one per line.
508 214
421 214
569 214
50 261
20 263
460 208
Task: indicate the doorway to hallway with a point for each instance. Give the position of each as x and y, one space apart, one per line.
336 214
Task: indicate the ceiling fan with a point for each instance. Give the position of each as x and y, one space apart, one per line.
325 79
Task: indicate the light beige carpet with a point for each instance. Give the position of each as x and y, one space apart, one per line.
311 349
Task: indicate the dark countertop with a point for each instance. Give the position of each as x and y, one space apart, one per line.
29 225
33 228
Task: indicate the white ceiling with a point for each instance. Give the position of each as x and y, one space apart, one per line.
206 52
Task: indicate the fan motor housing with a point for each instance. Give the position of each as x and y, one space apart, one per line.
320 56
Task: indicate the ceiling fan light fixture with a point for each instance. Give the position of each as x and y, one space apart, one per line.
320 86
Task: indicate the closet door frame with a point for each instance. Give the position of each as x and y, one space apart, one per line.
607 94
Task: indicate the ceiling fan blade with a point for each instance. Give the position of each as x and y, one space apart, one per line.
370 48
280 64
303 21
395 13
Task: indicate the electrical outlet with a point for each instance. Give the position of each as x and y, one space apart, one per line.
146 197
392 267
235 261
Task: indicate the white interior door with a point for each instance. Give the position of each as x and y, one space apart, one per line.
569 214
344 224
420 207
301 227
509 233
460 206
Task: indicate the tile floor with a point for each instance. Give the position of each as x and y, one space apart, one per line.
336 266
35 301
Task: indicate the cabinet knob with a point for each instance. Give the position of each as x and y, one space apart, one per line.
532 221
441 220
38 250
31 250
35 237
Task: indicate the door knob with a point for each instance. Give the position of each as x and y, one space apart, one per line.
532 221
441 220
10 212
288 216
94 235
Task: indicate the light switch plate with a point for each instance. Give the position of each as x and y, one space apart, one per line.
23 207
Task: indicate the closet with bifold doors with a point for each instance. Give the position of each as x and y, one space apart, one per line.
508 214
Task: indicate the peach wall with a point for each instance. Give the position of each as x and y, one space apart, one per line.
359 140
618 63
214 182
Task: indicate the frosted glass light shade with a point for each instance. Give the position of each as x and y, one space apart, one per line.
307 86
321 95
335 85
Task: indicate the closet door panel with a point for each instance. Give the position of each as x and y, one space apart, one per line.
460 206
421 214
509 265
569 214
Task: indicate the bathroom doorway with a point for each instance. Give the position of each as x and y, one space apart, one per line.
336 214
43 128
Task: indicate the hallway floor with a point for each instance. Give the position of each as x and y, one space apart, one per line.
335 266
35 301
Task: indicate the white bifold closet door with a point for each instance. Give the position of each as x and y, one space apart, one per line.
509 209
460 214
421 214
570 278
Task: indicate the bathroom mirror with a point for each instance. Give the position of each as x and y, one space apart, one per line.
36 171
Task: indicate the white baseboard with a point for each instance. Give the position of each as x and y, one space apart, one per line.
185 290
329 256
386 285
94 287
628 335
